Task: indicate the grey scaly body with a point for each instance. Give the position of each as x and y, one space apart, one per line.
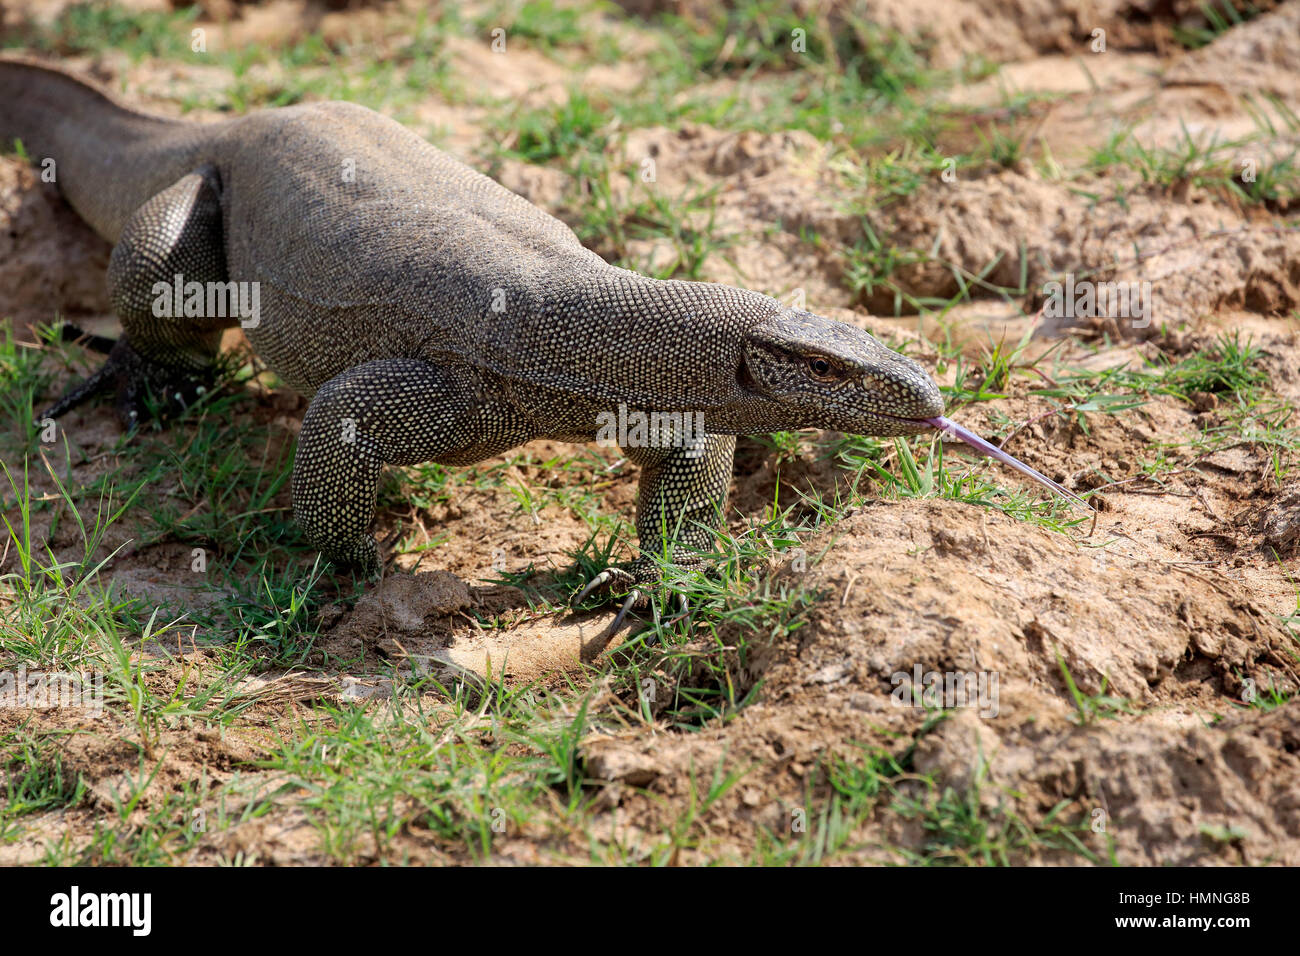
427 312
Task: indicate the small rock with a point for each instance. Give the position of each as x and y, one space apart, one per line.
830 674
1280 522
621 764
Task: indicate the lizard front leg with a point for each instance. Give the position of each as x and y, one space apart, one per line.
176 233
681 496
390 411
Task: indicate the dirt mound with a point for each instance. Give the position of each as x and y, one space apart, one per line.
951 32
1280 522
1262 56
50 261
1166 796
766 196
1199 253
953 589
977 613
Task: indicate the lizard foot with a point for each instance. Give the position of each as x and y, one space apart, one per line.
96 343
614 581
134 379
360 555
636 579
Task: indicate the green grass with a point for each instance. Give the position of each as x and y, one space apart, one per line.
685 222
60 615
368 773
552 28
960 830
36 779
1219 17
699 662
980 825
91 27
1228 366
577 127
930 478
613 206
987 379
770 35
1271 698
1244 168
1089 708
272 74
872 263
23 376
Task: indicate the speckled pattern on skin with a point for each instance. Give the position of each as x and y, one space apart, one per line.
429 313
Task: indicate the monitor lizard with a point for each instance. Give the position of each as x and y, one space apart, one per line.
430 314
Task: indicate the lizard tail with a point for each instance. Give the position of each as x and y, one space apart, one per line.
103 155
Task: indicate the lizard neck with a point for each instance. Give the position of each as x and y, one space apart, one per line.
609 336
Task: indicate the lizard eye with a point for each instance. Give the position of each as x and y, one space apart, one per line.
819 366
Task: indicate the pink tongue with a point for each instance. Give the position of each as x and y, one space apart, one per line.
993 451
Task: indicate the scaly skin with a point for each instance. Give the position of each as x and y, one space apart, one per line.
429 313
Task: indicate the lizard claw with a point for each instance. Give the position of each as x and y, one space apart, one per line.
637 597
609 579
96 343
614 578
632 599
132 376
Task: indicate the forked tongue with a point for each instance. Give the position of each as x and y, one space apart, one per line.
993 451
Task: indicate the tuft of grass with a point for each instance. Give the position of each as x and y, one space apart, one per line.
1089 708
1230 367
98 26
855 789
1243 168
549 26
24 376
961 826
872 264
1218 17
929 478
577 127
704 624
460 778
960 830
35 778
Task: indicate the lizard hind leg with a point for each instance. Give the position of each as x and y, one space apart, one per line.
170 337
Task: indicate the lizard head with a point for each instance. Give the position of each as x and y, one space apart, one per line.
810 372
